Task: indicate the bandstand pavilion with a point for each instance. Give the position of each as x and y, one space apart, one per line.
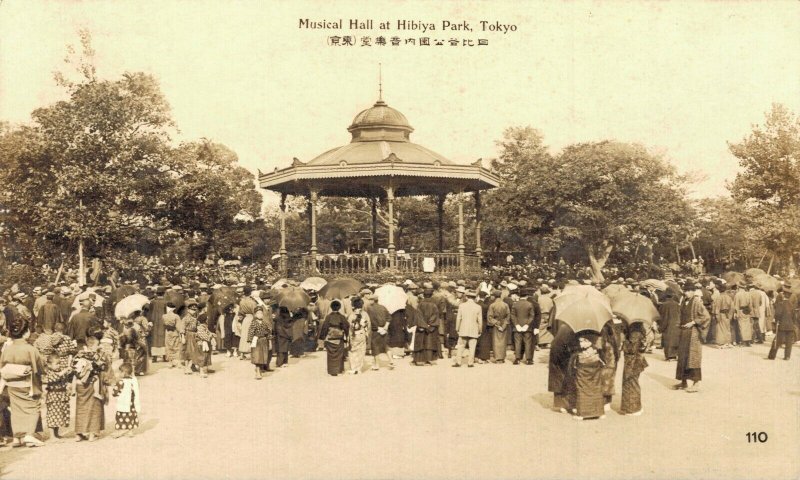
381 162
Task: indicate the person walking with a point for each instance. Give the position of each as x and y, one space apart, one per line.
634 365
469 325
694 319
258 336
785 335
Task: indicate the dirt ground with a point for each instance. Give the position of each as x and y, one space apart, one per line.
491 421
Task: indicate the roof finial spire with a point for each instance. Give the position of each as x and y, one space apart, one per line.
380 83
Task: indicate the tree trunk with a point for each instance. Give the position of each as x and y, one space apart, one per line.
678 254
771 259
598 262
691 246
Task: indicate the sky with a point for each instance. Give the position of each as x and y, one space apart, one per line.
682 78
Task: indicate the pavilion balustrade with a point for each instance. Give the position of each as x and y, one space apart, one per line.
408 263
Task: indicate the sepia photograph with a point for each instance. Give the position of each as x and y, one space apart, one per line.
399 239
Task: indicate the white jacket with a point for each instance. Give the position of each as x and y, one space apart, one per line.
129 386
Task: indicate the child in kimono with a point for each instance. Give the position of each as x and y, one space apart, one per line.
587 367
126 390
110 340
57 378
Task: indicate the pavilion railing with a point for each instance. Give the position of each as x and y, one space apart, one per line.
408 263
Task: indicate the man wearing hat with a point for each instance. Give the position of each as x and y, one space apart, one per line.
49 313
155 315
379 324
79 325
469 325
742 325
426 336
525 319
784 317
39 300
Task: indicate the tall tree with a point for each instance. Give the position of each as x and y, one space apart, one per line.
768 187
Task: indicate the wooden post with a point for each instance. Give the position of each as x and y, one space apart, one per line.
312 202
390 204
283 264
374 224
478 249
460 202
440 211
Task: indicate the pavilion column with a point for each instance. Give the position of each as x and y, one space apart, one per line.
390 204
374 202
440 212
460 202
312 204
282 251
478 249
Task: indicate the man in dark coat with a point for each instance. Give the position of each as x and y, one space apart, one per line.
669 325
283 337
81 322
784 317
49 314
525 319
155 314
426 339
483 351
379 319
694 321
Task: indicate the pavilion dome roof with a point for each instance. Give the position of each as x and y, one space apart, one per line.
380 122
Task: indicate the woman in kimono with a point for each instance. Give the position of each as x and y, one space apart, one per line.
189 322
359 333
334 332
558 379
635 363
396 338
483 349
586 368
694 319
133 343
723 311
258 336
608 346
22 365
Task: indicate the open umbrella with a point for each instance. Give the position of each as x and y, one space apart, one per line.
572 293
615 289
766 282
392 297
293 298
753 272
633 308
341 288
732 278
584 314
222 297
130 304
313 283
655 284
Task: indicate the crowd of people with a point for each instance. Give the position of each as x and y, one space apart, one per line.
63 340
